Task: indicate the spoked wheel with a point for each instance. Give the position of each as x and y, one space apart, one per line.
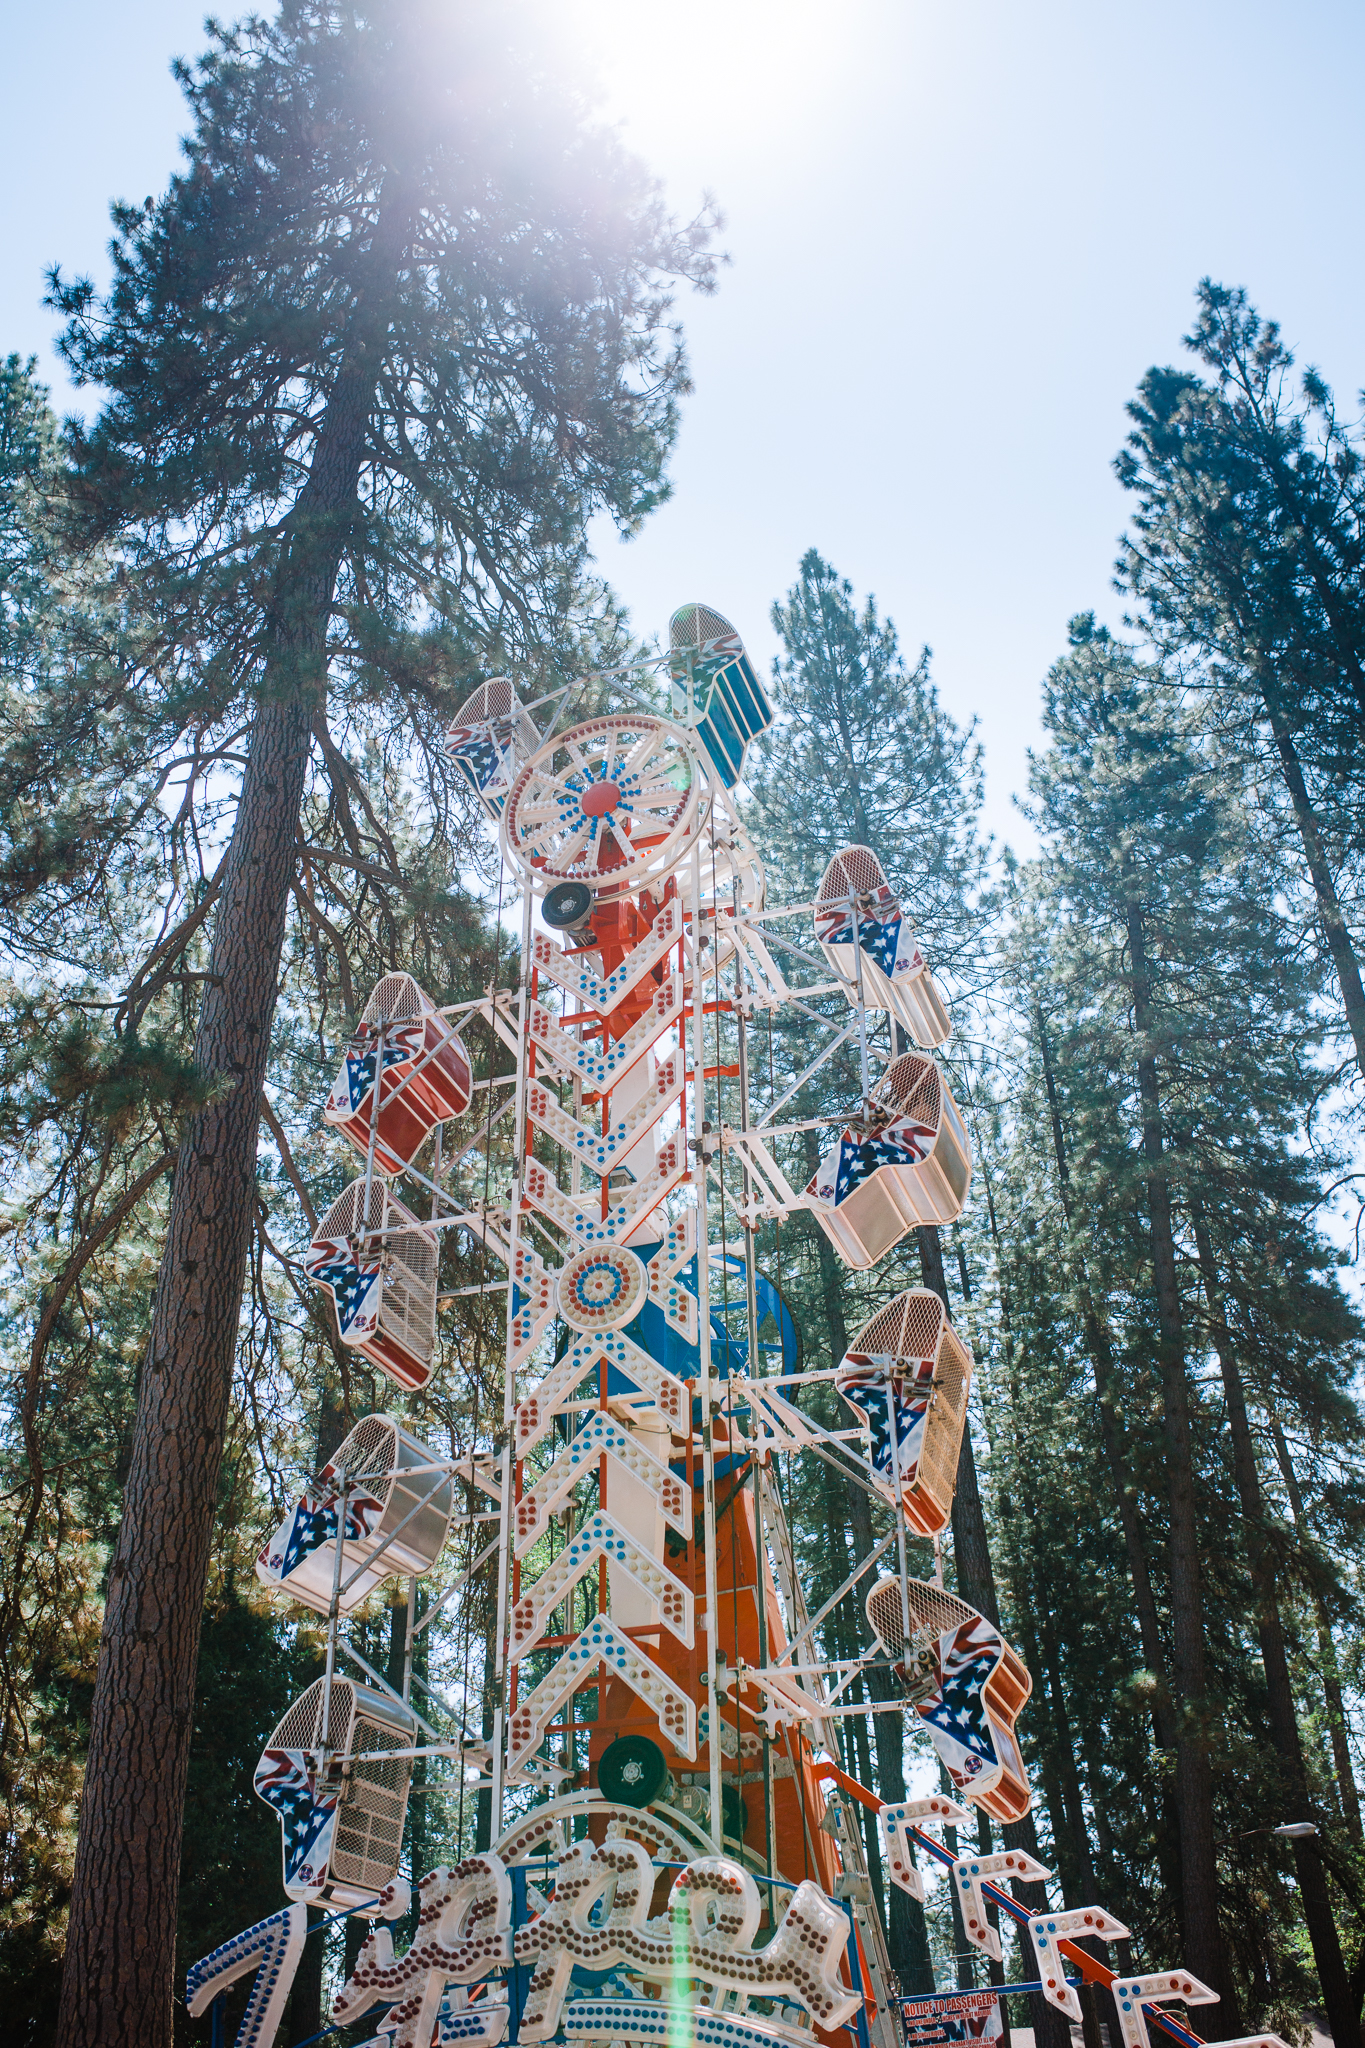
610 803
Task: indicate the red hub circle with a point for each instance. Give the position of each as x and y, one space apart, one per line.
600 798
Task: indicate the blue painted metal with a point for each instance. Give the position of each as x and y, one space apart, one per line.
715 689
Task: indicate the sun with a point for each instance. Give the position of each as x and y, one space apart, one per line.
727 75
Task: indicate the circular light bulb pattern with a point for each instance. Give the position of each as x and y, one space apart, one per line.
601 1288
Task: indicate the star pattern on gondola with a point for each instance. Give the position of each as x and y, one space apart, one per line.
313 1522
285 1780
401 1042
884 937
349 1283
900 1143
874 1390
881 942
474 744
966 1657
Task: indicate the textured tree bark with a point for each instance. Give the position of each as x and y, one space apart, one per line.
1343 2010
304 2017
120 1958
1205 1953
976 1584
1100 1348
966 1974
995 1972
483 1797
1066 1807
1061 1779
908 1939
1329 1669
1334 927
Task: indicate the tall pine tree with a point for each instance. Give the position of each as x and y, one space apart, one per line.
1246 557
393 335
1190 1008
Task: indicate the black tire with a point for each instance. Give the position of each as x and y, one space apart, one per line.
567 905
632 1771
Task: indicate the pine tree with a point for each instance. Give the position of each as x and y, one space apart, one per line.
1246 556
878 762
392 336
1193 1010
865 739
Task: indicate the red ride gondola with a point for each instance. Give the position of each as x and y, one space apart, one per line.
422 1070
908 1366
965 1682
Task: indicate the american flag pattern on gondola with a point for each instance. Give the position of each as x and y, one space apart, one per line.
355 1288
854 1160
888 941
484 747
354 1082
876 1386
959 1726
285 1781
883 934
313 1522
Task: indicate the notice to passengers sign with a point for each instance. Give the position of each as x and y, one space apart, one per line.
950 2017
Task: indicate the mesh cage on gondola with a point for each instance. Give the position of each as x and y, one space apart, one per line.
891 970
380 1270
491 737
398 1508
911 1164
908 1373
342 1828
404 1047
965 1682
715 690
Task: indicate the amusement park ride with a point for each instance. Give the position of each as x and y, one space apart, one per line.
672 1857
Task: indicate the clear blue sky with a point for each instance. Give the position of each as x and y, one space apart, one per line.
960 233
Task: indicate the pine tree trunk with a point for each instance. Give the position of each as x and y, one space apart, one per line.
1057 1759
908 1933
1334 926
1066 1810
1328 1668
120 1956
964 1973
908 1936
1343 2011
976 1584
1204 1950
304 2016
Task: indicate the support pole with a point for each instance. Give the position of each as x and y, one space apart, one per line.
704 1391
333 1617
502 1669
751 1303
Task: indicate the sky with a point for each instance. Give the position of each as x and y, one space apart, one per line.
958 236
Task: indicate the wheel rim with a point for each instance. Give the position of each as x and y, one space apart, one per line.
609 803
